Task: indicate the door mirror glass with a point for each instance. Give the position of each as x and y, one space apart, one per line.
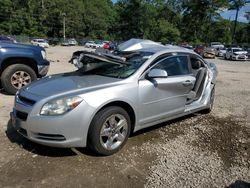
157 73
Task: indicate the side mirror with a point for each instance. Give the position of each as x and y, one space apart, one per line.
157 73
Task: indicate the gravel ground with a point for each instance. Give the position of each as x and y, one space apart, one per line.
200 150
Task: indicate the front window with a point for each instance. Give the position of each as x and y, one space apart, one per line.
92 66
174 65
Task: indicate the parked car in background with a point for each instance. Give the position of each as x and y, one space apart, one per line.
199 49
40 42
65 43
220 52
69 42
20 65
107 45
248 53
7 39
53 41
235 54
100 44
110 46
90 44
82 42
209 52
112 96
72 42
216 45
186 45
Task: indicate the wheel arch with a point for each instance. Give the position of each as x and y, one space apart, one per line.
19 60
124 105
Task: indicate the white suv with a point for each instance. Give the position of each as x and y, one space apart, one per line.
235 54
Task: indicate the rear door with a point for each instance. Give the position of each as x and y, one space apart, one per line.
165 97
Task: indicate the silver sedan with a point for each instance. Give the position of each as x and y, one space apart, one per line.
112 96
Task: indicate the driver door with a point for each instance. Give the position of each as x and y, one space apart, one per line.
161 98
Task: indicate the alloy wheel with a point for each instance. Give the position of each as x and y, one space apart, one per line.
113 131
20 79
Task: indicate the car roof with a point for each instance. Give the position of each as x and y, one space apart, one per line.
141 45
137 44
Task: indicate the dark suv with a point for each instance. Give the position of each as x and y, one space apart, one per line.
20 65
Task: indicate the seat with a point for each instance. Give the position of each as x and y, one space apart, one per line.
199 73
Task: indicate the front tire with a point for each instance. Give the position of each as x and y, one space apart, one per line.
109 130
16 76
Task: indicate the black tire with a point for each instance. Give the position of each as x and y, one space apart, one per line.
208 110
94 134
10 71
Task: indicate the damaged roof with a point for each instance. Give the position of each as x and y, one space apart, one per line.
138 44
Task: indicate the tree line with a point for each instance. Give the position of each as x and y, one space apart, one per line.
166 21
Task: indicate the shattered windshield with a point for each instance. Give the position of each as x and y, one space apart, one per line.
92 66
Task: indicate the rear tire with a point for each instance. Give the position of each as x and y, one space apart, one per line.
16 76
109 130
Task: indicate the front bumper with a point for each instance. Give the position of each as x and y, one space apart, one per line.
239 57
42 70
68 130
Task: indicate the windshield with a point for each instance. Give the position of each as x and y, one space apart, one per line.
94 66
237 50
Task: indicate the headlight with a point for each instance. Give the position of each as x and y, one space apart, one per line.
60 106
43 54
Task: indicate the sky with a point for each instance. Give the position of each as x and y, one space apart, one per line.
230 14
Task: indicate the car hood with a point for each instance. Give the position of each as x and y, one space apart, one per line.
17 45
67 83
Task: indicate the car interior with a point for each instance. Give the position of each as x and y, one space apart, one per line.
200 73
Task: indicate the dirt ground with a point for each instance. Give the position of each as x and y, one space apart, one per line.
200 150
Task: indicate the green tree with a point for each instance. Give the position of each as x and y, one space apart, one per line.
98 17
198 17
5 20
236 5
220 30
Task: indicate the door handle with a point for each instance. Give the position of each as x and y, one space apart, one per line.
187 83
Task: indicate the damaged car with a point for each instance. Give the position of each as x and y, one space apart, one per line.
112 95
